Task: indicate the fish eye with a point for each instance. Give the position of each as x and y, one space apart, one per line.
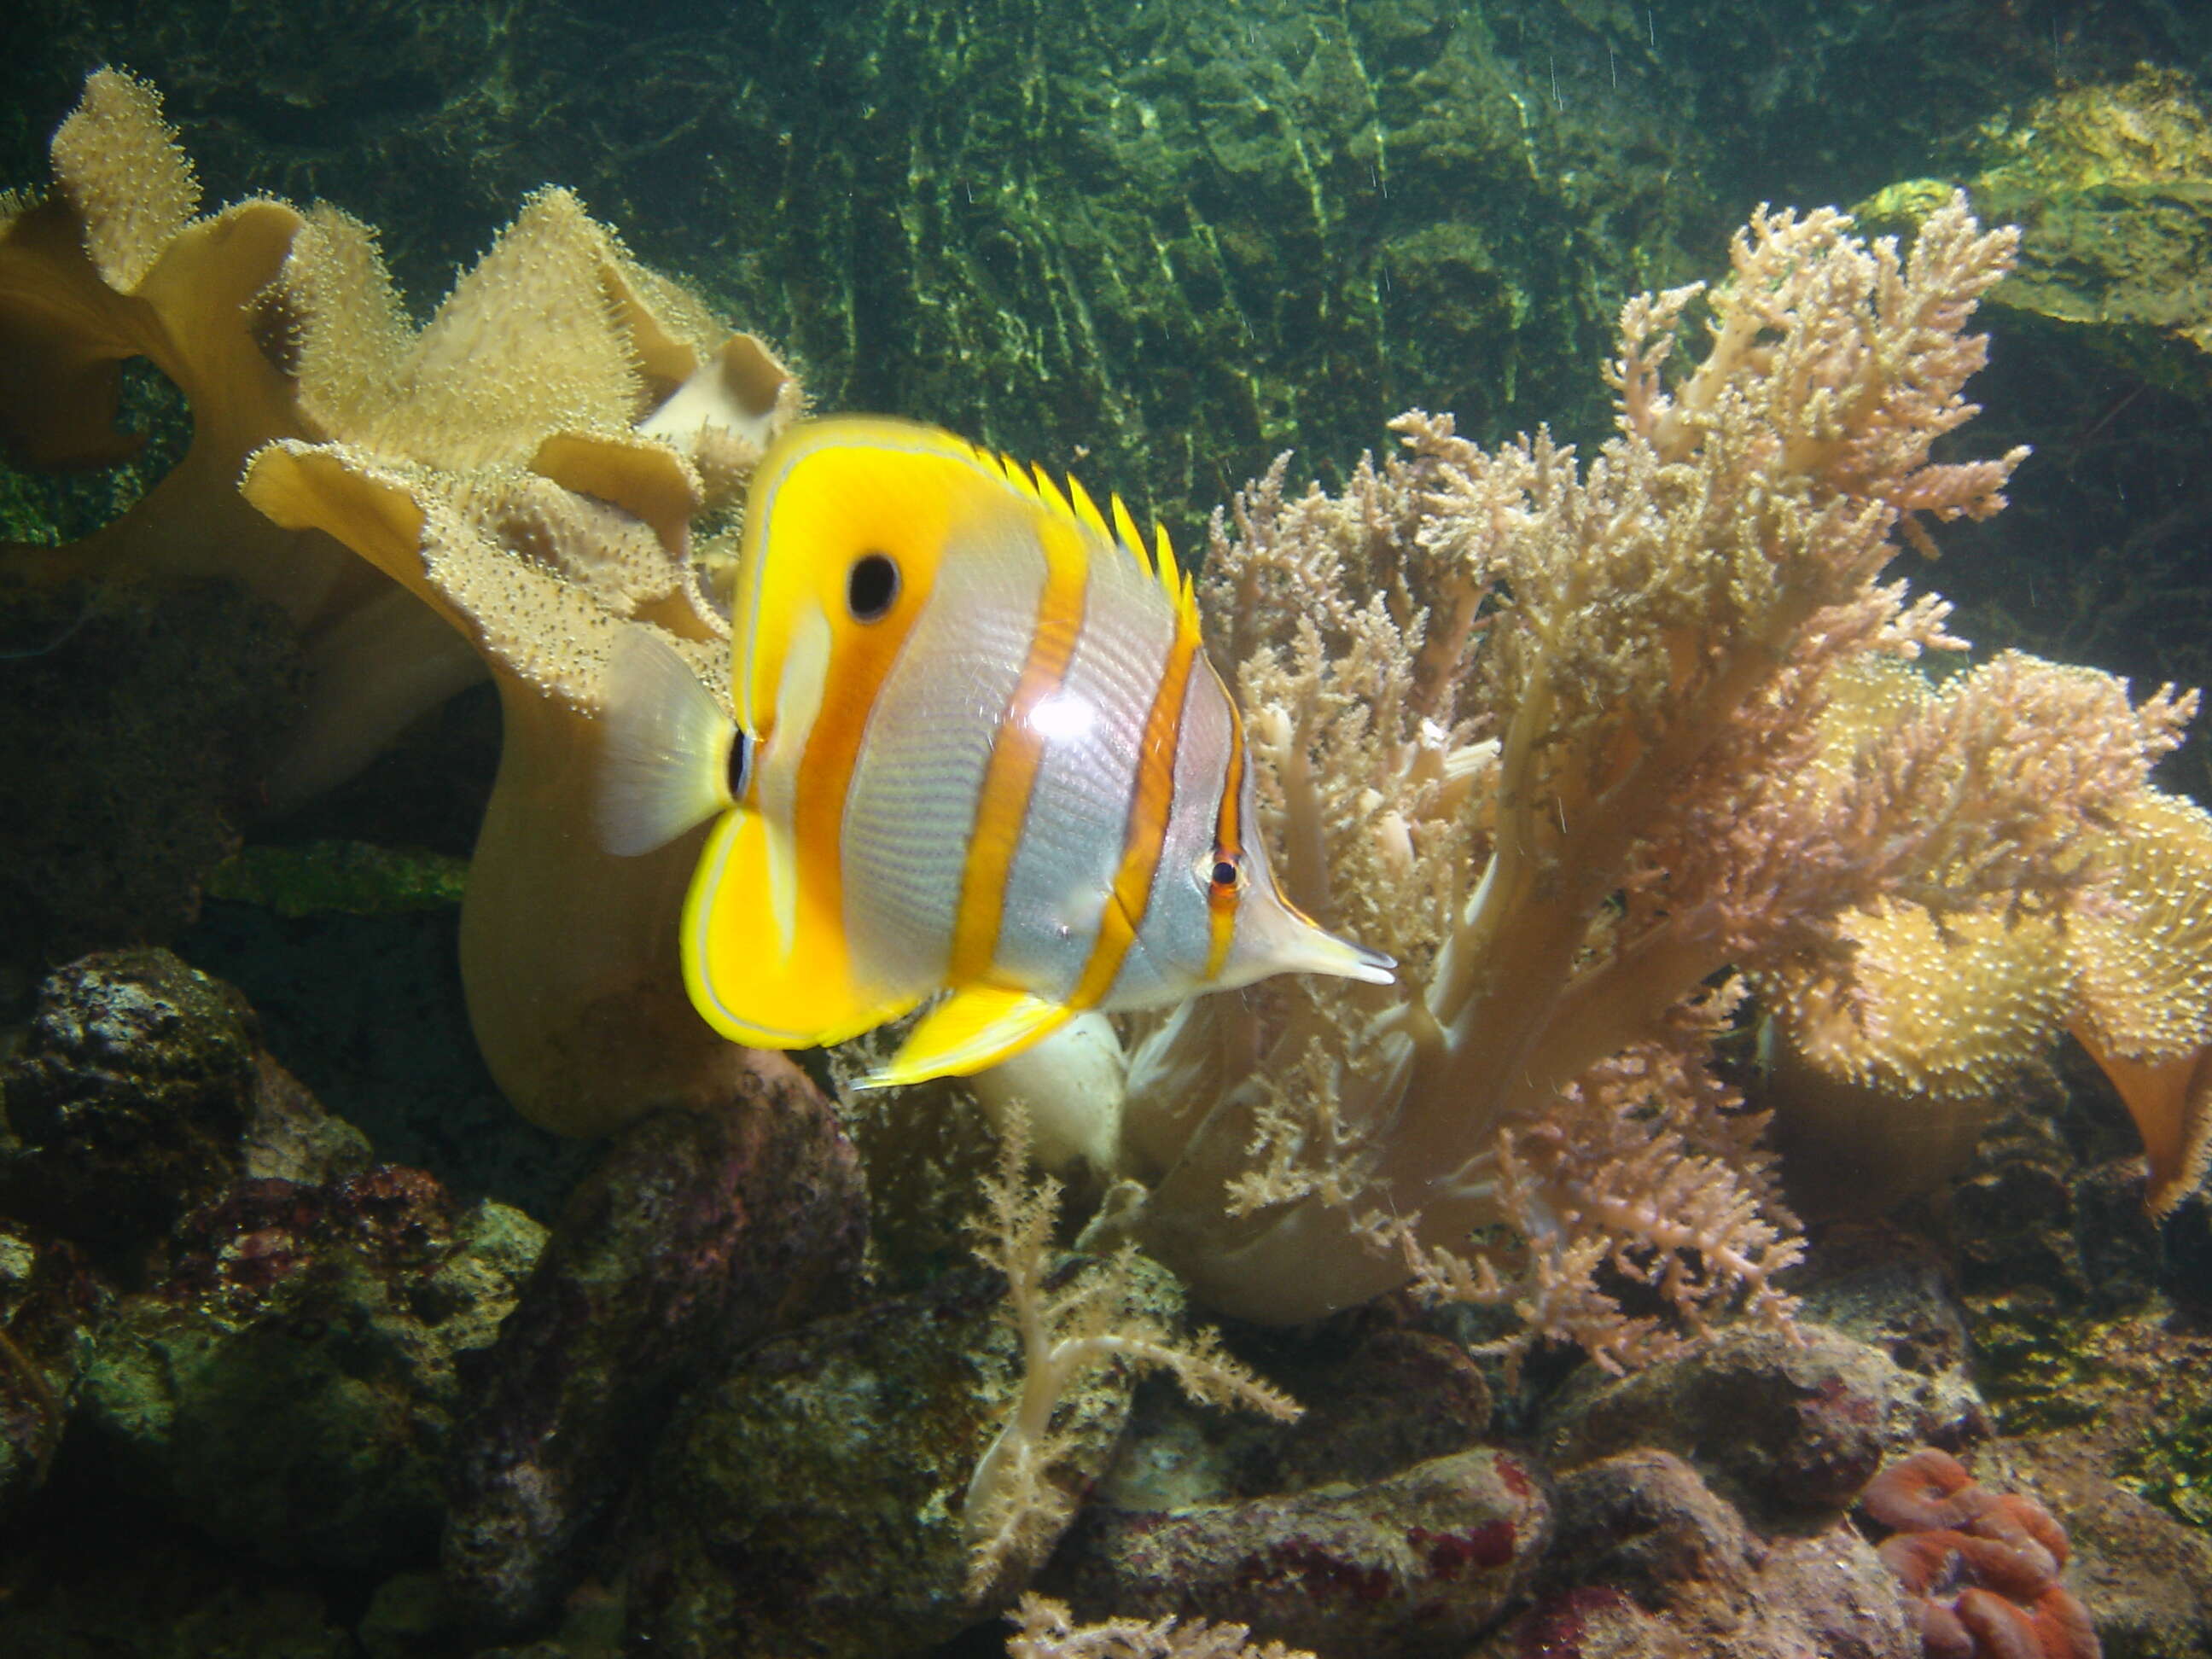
872 586
1227 874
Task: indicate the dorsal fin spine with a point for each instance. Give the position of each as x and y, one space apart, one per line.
1086 508
1131 538
1049 492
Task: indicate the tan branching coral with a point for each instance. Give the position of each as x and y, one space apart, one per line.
1046 1629
505 488
1016 1504
1568 764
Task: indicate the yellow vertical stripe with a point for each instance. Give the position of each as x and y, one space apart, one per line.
1151 802
1016 751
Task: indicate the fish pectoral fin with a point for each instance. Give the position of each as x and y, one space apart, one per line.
665 754
970 1030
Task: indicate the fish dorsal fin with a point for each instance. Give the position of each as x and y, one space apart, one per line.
1086 508
879 482
972 1029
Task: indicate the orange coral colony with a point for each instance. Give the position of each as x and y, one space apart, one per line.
1982 1567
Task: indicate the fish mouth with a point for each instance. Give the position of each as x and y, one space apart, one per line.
1317 951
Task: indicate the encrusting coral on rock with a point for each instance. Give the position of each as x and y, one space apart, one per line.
1549 731
505 489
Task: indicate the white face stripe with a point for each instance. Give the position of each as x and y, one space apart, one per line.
798 701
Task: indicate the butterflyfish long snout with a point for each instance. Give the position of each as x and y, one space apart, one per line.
978 750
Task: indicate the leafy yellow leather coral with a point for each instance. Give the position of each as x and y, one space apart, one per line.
504 489
1891 1060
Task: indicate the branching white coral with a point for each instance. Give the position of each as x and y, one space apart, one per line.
1046 1629
1095 1317
1567 764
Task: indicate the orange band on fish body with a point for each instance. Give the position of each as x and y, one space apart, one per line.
1150 804
1016 751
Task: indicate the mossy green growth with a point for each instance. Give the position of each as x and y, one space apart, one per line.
349 877
2111 186
2173 1467
288 1388
2137 1386
2040 1367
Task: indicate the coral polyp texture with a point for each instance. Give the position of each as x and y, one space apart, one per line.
503 490
1553 731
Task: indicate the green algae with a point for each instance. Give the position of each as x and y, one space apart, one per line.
348 877
2137 1385
2111 186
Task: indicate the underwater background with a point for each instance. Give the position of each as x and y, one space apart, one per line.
263 1207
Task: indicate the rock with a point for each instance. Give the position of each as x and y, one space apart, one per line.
1787 1430
289 1384
699 1233
1398 1397
808 1502
140 1092
1649 1560
2145 1576
1419 1562
50 1300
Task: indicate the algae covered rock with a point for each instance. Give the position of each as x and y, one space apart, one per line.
291 1384
808 1502
698 1234
1649 1561
1786 1428
2111 184
1419 1562
141 1091
50 1301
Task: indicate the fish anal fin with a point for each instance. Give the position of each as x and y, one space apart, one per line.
970 1030
751 980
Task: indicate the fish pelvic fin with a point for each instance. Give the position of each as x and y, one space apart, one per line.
973 1029
664 765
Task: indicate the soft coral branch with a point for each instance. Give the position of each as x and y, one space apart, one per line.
1568 766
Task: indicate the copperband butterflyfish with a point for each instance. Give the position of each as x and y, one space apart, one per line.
983 758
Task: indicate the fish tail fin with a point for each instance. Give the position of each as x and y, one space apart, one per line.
666 762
